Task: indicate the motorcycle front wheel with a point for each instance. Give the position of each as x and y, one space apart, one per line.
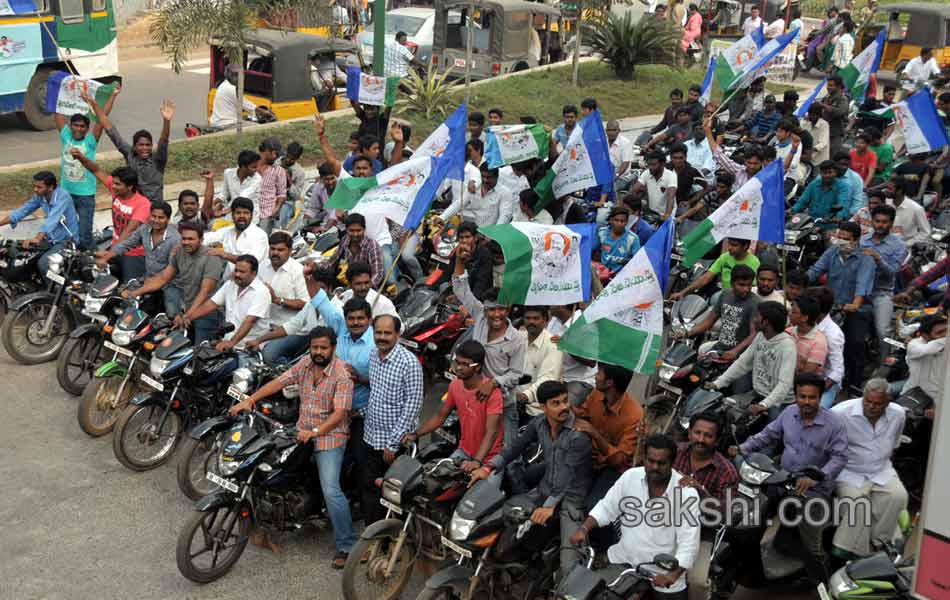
101 404
212 541
141 441
197 458
368 579
77 362
22 333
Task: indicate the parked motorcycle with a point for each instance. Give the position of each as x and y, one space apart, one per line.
83 351
431 327
498 546
188 386
36 325
268 481
18 271
201 448
884 575
583 583
132 337
420 495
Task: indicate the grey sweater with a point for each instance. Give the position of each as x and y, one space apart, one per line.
772 363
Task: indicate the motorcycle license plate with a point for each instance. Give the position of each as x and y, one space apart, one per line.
438 258
235 393
675 256
670 388
152 383
221 482
390 506
823 592
789 247
460 62
456 548
895 343
409 343
746 490
55 277
118 349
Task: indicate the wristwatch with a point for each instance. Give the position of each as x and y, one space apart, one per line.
280 301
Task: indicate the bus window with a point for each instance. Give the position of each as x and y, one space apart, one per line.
71 11
98 5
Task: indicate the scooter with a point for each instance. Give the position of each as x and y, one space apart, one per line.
583 583
883 575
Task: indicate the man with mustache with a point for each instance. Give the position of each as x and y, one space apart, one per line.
703 468
244 237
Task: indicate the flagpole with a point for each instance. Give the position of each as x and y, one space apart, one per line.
723 102
785 277
389 273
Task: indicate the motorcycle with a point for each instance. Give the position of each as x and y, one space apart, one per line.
18 271
431 327
804 240
188 386
420 495
738 556
36 325
77 361
911 456
498 547
583 583
133 336
201 449
267 481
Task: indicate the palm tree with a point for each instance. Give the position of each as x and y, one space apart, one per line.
180 26
624 44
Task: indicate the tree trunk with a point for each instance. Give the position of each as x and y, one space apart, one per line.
468 51
575 67
240 99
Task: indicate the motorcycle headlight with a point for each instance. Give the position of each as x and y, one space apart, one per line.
754 476
667 372
56 263
241 379
444 249
227 466
459 528
791 236
122 337
92 305
840 583
392 491
157 366
285 454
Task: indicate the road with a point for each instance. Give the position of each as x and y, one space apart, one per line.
145 82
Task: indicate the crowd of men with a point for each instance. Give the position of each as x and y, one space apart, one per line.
362 391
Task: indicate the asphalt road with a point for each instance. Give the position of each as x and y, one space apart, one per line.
146 81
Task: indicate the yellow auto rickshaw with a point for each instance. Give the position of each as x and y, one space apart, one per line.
910 27
292 74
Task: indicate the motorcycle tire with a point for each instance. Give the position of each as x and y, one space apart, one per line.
128 431
77 362
363 580
98 409
191 475
207 526
24 323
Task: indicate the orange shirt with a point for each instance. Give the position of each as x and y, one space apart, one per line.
619 425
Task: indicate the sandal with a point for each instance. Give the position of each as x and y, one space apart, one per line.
339 560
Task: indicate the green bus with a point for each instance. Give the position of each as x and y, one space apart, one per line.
38 37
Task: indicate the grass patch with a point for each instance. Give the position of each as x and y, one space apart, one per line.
541 94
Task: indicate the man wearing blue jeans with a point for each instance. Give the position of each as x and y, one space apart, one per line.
888 252
326 395
60 223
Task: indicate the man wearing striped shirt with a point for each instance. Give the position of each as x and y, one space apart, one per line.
273 183
395 399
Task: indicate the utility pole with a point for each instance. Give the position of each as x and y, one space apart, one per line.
468 50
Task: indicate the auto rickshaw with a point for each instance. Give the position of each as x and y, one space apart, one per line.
506 36
910 27
293 74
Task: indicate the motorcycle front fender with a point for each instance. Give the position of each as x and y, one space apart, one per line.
456 576
385 527
86 329
23 301
149 399
212 425
216 499
111 368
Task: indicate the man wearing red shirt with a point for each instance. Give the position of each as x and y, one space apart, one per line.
863 160
129 210
482 437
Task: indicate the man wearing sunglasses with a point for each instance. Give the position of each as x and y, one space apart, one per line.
482 435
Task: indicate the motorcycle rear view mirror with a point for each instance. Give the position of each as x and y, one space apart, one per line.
525 380
226 329
814 473
666 561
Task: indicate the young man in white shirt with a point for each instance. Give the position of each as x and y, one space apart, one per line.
814 124
833 368
246 302
542 359
753 22
641 541
911 222
242 181
659 183
874 431
284 277
925 357
224 112
489 204
621 154
361 286
919 71
241 238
